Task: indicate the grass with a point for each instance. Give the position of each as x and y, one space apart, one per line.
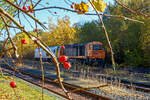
23 91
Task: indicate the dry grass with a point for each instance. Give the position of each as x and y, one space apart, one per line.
122 91
86 82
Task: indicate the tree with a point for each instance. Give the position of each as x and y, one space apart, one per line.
126 36
62 33
145 42
26 50
90 31
10 9
64 30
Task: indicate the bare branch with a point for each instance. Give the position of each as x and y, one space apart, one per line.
42 70
130 10
5 50
106 35
12 42
49 52
115 16
42 25
37 4
27 20
12 26
10 66
4 44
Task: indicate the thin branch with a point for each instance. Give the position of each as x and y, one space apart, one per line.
27 20
12 26
49 52
43 6
42 25
115 16
4 45
25 2
40 53
130 10
19 16
11 67
12 42
5 50
106 35
37 4
2 51
124 17
5 42
2 29
42 70
18 11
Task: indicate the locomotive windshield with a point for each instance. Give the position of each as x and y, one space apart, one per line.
98 47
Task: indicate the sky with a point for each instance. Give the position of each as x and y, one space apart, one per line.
44 15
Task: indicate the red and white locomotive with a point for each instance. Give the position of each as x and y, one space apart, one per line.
89 53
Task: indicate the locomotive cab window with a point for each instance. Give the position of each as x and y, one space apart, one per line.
98 47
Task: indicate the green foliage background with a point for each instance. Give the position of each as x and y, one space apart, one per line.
10 9
130 40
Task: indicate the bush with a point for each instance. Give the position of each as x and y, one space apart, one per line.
133 58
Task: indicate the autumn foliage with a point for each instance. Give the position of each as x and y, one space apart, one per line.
100 5
81 8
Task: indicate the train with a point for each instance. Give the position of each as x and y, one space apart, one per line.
88 53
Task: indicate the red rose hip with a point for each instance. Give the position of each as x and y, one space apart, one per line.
23 41
35 30
67 65
62 59
62 47
71 6
13 84
29 7
24 8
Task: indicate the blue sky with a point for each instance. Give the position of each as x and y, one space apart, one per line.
44 15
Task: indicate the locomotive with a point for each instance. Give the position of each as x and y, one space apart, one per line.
90 53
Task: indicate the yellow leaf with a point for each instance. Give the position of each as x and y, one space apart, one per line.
81 8
100 5
85 7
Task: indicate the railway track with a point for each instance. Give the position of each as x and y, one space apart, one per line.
53 86
82 94
136 85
